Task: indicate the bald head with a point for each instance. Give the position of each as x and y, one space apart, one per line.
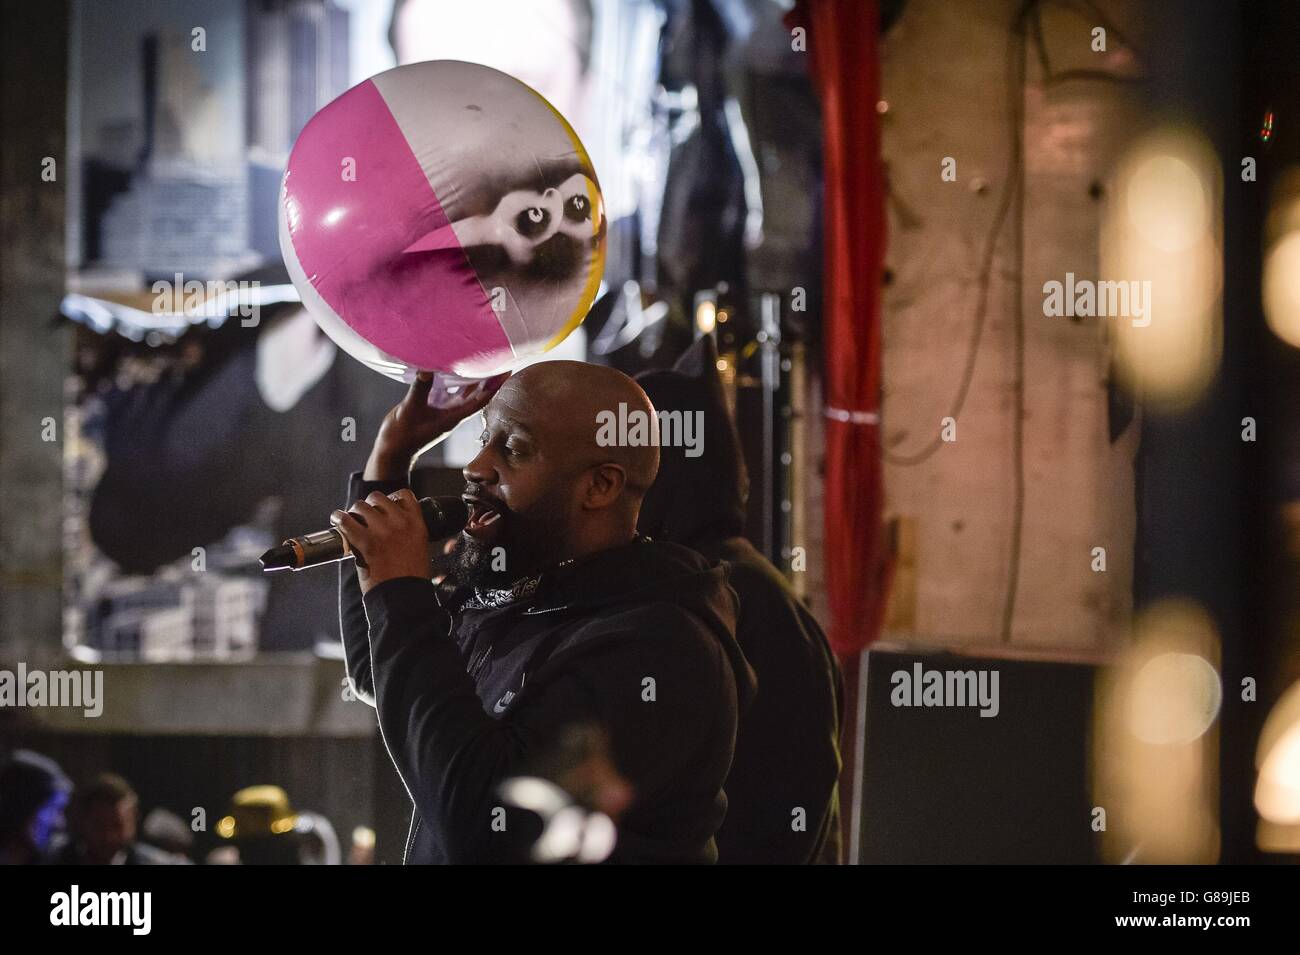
569 399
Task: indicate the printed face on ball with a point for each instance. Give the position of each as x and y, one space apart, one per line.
442 216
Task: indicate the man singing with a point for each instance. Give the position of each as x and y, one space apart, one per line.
564 616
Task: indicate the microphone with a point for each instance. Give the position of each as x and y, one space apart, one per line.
443 516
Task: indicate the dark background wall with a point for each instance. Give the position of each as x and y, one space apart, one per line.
34 357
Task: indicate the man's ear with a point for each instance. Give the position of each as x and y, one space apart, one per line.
605 485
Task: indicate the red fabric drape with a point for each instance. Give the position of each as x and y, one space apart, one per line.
843 48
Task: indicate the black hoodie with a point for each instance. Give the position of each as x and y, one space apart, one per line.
636 639
782 793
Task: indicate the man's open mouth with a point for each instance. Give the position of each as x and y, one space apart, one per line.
484 518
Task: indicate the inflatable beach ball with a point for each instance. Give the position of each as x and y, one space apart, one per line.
442 216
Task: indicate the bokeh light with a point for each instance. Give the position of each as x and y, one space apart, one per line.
1277 788
1174 698
1155 746
1165 228
1281 284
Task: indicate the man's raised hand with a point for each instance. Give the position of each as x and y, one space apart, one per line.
412 427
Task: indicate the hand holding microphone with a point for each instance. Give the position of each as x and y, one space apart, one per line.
389 534
440 517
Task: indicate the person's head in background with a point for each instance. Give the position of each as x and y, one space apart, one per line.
33 794
702 491
167 831
544 43
104 817
263 828
362 849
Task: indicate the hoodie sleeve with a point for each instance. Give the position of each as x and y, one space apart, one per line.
452 756
352 614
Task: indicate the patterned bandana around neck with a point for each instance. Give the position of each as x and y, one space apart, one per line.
484 598
487 597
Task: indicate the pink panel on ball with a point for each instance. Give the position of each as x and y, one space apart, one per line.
425 306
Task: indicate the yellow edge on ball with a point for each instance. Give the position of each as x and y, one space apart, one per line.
593 197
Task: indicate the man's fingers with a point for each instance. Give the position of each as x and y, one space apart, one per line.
380 511
353 529
407 507
361 512
346 523
351 525
481 393
493 385
418 394
475 396
404 498
480 400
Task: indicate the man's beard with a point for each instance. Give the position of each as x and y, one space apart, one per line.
529 541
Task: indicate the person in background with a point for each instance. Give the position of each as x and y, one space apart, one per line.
782 792
33 794
169 832
104 819
263 828
362 849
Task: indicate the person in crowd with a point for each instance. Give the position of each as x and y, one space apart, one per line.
33 794
104 821
169 832
263 828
